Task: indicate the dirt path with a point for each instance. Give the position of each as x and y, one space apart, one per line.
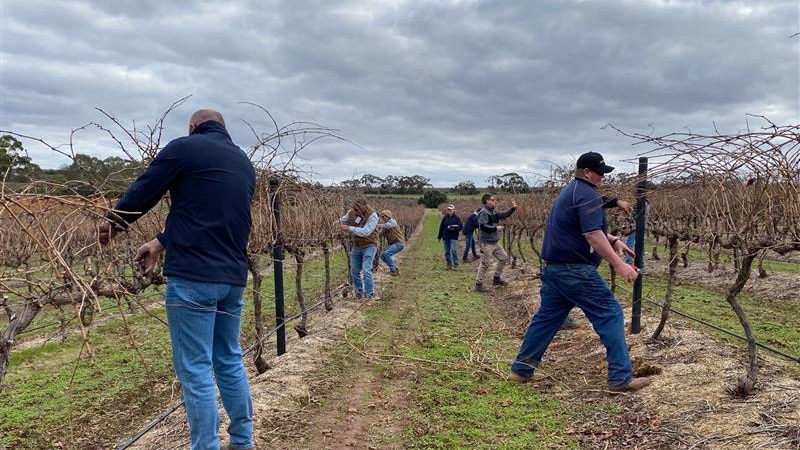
334 390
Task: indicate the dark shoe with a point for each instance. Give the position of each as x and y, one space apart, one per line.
394 273
464 259
228 447
569 324
497 281
455 266
479 287
517 378
449 267
634 385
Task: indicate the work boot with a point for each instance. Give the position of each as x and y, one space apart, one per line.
517 378
479 287
569 324
634 385
497 281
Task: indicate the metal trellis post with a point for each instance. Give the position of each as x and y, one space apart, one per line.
277 265
641 211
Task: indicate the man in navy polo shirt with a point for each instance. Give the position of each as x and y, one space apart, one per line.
575 242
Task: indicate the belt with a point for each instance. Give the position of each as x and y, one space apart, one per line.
562 264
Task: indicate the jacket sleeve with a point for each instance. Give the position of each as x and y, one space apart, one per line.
441 229
149 188
506 213
609 202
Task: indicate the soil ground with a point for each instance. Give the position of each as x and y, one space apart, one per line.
310 399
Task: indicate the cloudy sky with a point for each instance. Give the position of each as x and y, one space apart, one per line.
453 90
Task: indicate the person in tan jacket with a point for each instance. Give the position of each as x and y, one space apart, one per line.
394 238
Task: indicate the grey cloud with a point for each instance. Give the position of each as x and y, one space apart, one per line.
445 82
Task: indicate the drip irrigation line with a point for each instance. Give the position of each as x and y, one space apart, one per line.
720 329
149 426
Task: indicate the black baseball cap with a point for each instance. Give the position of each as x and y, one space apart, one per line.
594 162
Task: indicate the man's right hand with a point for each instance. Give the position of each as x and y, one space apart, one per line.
147 255
627 272
105 232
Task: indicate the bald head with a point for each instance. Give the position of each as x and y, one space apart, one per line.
204 115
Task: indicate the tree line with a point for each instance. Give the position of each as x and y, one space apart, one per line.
86 175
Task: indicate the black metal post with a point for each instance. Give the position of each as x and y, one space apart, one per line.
638 247
277 266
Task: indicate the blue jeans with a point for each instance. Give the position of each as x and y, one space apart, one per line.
565 286
204 324
391 250
361 260
630 241
469 244
451 252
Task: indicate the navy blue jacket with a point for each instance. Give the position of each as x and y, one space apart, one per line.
211 184
449 227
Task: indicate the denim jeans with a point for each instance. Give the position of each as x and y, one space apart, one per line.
469 244
361 260
204 324
565 286
451 252
391 250
630 241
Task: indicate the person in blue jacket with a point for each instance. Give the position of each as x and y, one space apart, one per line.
470 225
449 228
211 182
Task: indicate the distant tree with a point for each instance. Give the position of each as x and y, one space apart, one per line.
14 165
351 184
414 185
509 182
433 198
371 183
465 188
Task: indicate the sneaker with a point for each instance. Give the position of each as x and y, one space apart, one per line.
479 287
497 281
634 385
517 378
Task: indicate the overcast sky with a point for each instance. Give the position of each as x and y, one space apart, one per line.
451 90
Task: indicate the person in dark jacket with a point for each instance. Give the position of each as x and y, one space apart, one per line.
211 183
489 236
470 225
449 228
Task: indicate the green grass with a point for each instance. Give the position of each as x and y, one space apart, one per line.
775 323
57 391
461 404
